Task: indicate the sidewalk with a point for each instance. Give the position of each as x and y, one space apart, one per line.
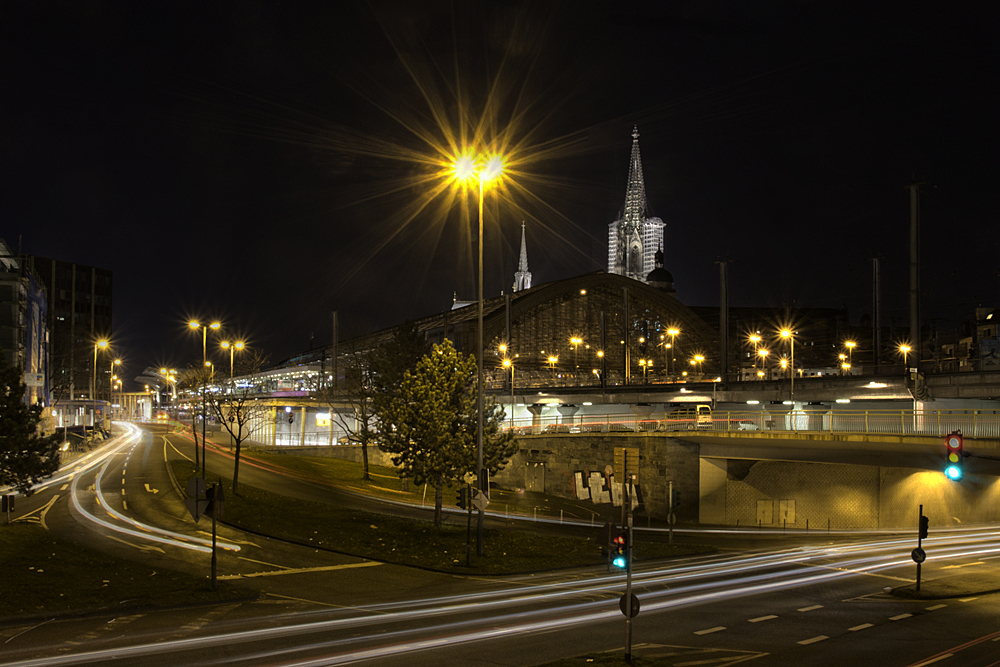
973 580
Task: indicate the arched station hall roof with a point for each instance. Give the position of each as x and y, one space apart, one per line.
543 319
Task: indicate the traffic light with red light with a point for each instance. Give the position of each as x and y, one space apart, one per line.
954 467
620 544
462 498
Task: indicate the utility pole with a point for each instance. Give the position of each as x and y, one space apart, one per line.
335 338
723 319
876 318
914 189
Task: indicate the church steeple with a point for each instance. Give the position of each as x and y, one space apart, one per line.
522 277
629 259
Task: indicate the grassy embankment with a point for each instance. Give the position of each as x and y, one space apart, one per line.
409 541
44 574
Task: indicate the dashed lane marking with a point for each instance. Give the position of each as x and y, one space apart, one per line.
861 627
762 618
967 599
933 660
899 617
64 487
200 622
937 606
813 640
718 628
815 606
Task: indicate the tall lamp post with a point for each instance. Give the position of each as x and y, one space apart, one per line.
762 353
904 350
673 332
850 345
466 168
103 345
575 342
195 325
787 334
755 339
232 347
111 385
507 363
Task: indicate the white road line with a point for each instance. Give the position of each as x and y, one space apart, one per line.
996 639
260 562
967 599
125 505
937 606
900 617
717 628
860 627
762 618
813 640
933 660
955 567
301 570
815 606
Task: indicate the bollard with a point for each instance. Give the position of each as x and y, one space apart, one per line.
784 525
827 525
560 516
807 526
758 525
534 513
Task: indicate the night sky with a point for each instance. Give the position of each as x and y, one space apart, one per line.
268 163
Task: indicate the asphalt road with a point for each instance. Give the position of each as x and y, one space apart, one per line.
820 602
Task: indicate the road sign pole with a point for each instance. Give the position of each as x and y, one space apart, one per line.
215 511
670 512
919 540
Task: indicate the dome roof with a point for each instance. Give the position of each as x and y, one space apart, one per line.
659 275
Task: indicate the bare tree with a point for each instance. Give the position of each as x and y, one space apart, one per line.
352 403
237 407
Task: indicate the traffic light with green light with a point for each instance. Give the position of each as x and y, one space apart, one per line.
462 498
954 467
620 549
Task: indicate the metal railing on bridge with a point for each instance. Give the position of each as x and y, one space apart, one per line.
974 424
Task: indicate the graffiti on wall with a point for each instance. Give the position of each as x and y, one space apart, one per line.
600 489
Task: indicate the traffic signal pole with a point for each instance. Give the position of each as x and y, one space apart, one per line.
628 574
468 528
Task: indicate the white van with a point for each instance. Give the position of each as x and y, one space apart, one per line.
688 418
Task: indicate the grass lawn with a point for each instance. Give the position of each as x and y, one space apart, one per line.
43 574
406 541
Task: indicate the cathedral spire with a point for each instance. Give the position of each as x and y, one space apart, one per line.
635 196
629 260
522 277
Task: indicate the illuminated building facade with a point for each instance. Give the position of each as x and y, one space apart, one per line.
80 312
